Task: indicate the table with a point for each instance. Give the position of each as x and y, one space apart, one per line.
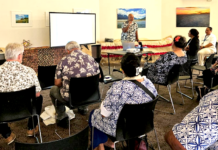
123 53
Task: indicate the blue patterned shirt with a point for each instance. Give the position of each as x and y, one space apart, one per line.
199 129
121 92
77 64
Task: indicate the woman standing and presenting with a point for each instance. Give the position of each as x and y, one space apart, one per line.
192 46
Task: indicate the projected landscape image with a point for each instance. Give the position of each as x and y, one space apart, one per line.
139 16
22 18
192 17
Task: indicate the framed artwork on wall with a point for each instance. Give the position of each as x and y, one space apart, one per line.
21 18
192 17
138 13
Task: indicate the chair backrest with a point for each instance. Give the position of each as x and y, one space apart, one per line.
185 69
46 75
75 142
208 61
17 105
173 75
84 91
2 61
135 120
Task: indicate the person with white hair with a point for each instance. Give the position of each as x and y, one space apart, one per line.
15 77
130 30
75 64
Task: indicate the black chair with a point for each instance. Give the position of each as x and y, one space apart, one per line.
78 141
135 120
2 61
206 66
187 76
46 76
83 91
19 105
113 78
172 77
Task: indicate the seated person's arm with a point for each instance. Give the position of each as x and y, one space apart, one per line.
36 82
212 40
208 45
58 82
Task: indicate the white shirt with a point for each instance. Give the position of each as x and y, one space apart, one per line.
15 77
209 39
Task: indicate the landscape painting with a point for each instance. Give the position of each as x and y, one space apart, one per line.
192 17
22 18
138 13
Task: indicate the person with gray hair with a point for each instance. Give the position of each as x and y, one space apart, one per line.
15 77
75 64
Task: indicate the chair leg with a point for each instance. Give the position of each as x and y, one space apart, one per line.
157 139
169 89
56 122
40 134
92 137
185 94
115 144
211 82
69 125
102 91
193 95
180 92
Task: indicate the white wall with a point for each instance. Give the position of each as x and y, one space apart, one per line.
169 16
108 18
38 34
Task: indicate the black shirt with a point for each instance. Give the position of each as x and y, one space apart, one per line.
194 46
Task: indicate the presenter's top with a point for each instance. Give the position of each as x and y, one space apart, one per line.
130 35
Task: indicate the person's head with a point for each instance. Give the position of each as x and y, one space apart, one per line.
179 42
71 46
208 30
14 52
129 64
193 33
130 17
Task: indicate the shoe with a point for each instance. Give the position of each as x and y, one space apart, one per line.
83 110
10 139
31 131
64 123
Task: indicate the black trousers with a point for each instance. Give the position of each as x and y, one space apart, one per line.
5 129
207 77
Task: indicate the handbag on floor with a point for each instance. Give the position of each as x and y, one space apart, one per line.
201 91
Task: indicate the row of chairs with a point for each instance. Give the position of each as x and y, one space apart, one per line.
23 105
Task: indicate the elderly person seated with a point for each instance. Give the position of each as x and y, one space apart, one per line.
75 64
15 77
158 71
121 92
199 129
207 45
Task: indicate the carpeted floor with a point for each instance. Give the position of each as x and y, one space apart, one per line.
163 121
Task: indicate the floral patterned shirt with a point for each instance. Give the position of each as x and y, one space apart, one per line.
77 64
130 34
121 92
15 77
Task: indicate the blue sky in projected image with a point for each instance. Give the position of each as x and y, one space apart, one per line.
18 17
139 13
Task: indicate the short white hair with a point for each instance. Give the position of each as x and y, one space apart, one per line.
72 44
12 50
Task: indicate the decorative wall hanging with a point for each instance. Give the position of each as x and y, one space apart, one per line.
21 18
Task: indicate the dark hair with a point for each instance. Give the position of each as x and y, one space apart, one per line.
194 32
210 28
129 63
179 41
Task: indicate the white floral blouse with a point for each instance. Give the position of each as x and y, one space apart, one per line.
77 64
120 93
15 77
